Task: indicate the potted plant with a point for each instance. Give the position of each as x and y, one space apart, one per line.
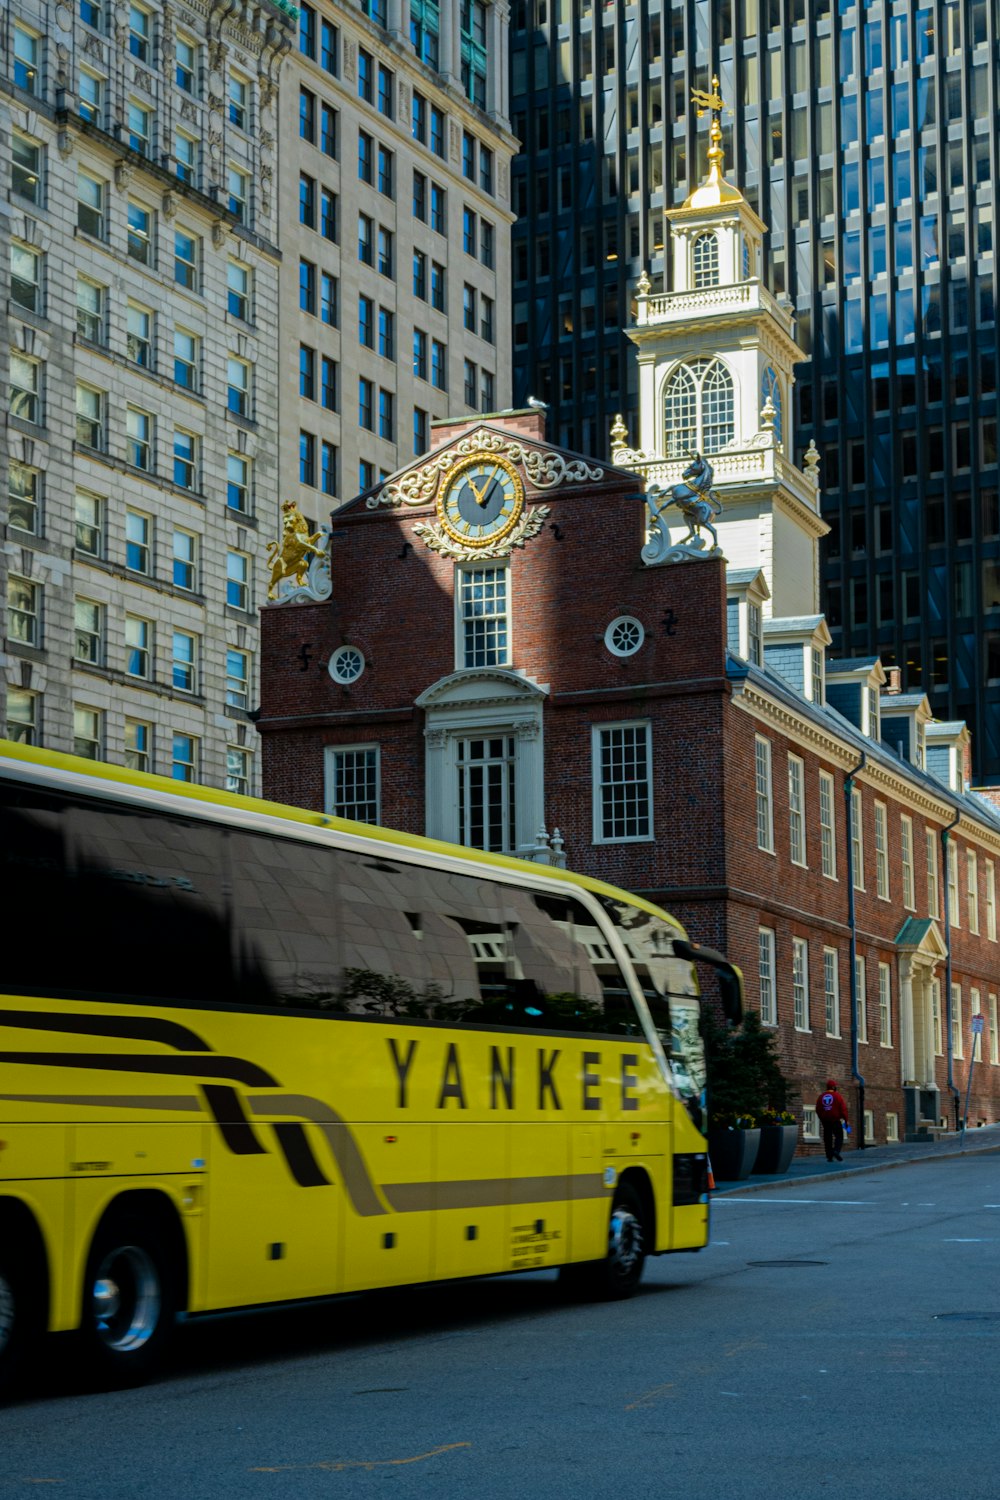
733 1142
744 1079
779 1136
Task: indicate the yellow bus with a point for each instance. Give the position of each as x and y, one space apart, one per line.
251 1054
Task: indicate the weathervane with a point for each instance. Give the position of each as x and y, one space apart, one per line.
702 101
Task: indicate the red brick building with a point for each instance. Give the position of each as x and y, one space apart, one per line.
516 644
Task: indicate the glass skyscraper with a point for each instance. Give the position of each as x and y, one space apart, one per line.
866 137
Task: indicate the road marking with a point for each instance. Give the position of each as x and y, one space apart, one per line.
991 1205
987 1241
650 1396
336 1465
837 1202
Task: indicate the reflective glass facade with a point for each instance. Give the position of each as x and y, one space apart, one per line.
865 136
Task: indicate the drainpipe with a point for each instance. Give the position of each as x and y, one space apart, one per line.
947 963
852 923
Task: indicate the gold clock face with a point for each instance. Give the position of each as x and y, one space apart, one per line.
481 501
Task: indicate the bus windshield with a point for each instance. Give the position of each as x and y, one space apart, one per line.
671 991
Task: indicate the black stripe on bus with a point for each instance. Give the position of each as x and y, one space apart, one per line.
298 1154
141 1029
229 1115
236 1068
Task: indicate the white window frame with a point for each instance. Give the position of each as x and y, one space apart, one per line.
885 1004
810 1124
797 810
175 761
800 983
937 1019
957 1035
136 758
764 794
831 990
994 1026
881 851
97 726
828 825
861 988
597 761
462 650
991 901
139 639
94 632
857 835
766 975
334 756
906 862
27 258
28 614
933 886
238 683
972 889
954 904
891 1126
245 776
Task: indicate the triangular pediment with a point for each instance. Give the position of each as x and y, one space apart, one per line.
922 936
479 687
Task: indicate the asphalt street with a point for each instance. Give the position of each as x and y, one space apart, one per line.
838 1336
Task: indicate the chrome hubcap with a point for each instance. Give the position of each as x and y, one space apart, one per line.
6 1312
624 1242
125 1298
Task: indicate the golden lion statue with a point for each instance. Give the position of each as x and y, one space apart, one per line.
289 558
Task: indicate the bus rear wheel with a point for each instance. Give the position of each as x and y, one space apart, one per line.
619 1273
18 1315
129 1300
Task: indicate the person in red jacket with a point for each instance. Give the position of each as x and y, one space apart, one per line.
832 1113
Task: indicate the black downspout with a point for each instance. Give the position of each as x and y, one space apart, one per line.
852 922
947 962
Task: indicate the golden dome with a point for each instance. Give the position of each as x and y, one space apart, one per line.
715 190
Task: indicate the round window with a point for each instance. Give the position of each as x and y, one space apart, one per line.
346 664
624 636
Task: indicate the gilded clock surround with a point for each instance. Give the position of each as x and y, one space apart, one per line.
481 501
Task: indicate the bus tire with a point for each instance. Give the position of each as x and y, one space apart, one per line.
19 1313
619 1273
130 1298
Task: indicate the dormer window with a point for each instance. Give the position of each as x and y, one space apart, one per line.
705 260
770 390
755 651
699 408
816 664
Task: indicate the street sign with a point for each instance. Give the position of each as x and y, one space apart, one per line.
978 1025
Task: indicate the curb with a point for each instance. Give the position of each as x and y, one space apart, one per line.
769 1185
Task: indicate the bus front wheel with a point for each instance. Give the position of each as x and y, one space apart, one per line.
129 1299
619 1273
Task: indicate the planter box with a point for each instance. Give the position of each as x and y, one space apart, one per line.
733 1153
777 1147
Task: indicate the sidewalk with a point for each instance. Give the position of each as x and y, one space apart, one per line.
979 1142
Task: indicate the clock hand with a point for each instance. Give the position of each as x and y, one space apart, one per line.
472 486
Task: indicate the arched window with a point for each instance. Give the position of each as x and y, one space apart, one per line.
705 260
770 386
699 409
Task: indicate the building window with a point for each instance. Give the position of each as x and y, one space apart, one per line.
25 52
439 365
88 628
239 194
486 241
385 164
437 286
485 168
237 679
139 335
857 840
366 76
186 65
469 302
238 771
796 810
957 1029
186 359
138 533
831 991
139 438
425 25
238 290
89 414
24 508
140 234
991 901
90 205
765 816
881 852
937 1023
483 616
623 792
186 260
307 115
420 275
328 130
140 127
353 783
185 561
421 421
972 889
307 459
239 101
329 48
486 805
328 384
486 323
26 281
488 398
238 483
138 745
328 215
906 862
26 167
770 391
384 258
386 84
140 34
386 416
23 715
138 647
800 983
891 1127
88 732
25 388
471 382
328 299
810 1124
366 240
473 49
238 386
366 403
237 580
439 209
386 333
184 662
469 237
624 636
765 965
307 31
976 1011
705 260
827 826
861 985
185 459
307 372
88 516
186 158
328 468
933 898
699 409
91 13
307 286
994 1032
437 132
307 201
24 611
184 758
952 870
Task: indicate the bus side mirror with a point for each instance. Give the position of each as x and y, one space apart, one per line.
730 977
